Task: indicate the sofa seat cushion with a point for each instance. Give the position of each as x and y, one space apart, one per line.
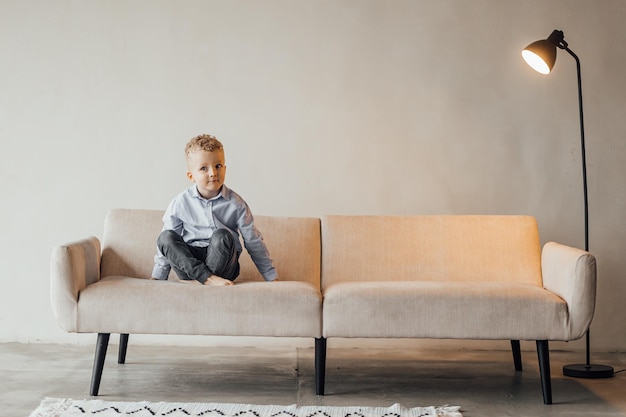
428 309
118 304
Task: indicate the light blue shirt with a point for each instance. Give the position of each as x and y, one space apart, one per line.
195 218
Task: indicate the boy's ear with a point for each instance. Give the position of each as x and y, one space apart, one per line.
190 176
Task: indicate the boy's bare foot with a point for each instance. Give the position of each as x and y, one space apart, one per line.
216 281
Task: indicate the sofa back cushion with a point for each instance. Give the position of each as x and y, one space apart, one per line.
479 248
130 235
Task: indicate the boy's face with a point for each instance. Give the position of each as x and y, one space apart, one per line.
208 171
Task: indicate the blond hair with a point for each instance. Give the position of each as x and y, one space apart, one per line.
203 143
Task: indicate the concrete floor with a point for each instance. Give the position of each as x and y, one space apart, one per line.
483 383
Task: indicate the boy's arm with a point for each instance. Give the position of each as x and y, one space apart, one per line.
261 257
161 269
253 241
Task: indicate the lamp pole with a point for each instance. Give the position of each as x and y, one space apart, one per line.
588 370
564 46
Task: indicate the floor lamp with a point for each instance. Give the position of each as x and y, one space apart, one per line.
541 56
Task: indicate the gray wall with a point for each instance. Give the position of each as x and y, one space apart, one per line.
344 107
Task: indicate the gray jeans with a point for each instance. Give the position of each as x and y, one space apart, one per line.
191 262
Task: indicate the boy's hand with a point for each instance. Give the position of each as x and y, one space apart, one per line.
216 281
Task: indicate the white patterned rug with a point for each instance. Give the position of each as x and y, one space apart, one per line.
56 407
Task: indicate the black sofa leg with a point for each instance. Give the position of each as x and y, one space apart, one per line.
544 368
320 365
121 354
98 362
517 354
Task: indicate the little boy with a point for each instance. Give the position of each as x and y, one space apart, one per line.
200 236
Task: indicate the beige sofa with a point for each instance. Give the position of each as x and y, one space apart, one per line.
442 277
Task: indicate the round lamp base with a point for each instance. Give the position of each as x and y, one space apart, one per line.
588 371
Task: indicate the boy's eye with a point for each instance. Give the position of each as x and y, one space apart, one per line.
203 169
219 166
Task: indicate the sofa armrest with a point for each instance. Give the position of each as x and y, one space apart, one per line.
73 267
570 273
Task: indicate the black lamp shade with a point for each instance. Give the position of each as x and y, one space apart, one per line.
540 55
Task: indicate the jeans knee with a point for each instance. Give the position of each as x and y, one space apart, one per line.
167 238
223 237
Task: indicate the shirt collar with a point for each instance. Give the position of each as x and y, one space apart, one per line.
224 193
